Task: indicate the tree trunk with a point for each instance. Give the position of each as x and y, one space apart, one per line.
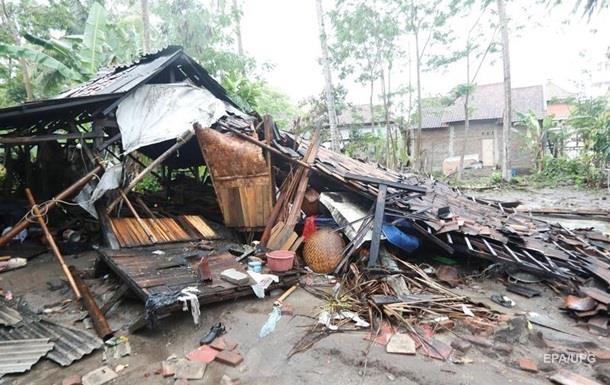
240 45
145 26
328 84
27 82
385 112
507 118
466 117
372 116
418 150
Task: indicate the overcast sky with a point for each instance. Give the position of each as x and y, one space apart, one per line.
284 33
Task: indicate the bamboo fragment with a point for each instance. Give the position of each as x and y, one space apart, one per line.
52 243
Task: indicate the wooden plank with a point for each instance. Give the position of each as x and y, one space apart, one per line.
377 225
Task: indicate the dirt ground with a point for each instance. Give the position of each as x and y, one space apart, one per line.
556 197
340 358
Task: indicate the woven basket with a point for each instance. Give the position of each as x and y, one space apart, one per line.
322 251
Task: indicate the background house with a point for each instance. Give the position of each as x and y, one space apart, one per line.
362 134
443 127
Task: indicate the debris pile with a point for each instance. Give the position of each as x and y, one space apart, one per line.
238 207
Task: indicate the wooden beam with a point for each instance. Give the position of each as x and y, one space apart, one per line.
48 138
100 323
377 225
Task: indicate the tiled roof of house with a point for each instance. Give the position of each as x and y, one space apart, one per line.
432 116
487 102
361 114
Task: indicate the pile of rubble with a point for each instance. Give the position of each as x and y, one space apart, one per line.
384 250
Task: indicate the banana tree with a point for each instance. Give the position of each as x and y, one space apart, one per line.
73 58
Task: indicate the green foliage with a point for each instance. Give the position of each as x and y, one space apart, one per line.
495 178
149 184
205 28
315 112
590 118
257 95
536 134
92 48
277 104
564 171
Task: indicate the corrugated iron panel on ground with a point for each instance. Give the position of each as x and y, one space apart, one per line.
8 315
71 344
18 356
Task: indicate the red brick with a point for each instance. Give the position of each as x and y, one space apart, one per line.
528 365
203 354
223 343
229 358
74 379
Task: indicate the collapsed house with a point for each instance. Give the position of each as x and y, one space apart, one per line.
225 178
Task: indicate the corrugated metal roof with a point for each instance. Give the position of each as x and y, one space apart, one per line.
71 344
100 95
122 79
18 356
8 315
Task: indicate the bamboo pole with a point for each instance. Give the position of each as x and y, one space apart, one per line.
52 243
179 143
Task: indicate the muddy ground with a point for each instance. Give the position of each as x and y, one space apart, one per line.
341 358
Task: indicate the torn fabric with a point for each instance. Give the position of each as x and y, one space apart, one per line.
155 113
109 181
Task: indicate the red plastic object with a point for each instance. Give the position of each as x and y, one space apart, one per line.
280 260
310 227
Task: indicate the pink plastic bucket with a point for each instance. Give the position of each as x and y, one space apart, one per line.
280 260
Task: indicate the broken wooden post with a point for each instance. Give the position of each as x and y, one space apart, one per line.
377 225
100 323
74 188
52 243
179 143
277 241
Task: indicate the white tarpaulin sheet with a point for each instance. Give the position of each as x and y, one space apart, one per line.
155 113
109 181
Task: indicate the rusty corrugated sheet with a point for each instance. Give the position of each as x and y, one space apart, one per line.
18 356
243 184
71 344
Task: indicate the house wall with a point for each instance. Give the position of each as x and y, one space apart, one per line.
437 144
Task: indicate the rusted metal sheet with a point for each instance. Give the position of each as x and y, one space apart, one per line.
579 304
18 356
241 178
